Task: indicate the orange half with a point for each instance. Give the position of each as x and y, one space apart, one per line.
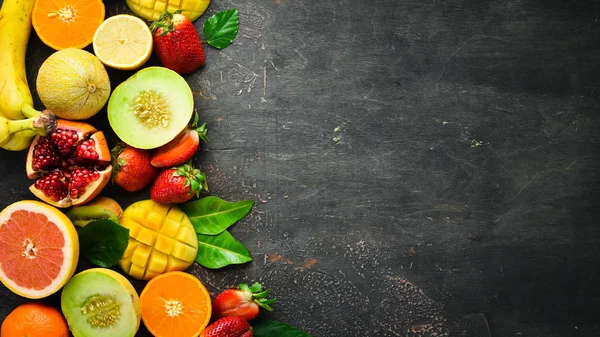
175 304
64 24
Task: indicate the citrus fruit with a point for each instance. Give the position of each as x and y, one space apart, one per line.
123 42
161 239
67 23
34 319
73 84
175 304
150 108
152 9
39 248
100 302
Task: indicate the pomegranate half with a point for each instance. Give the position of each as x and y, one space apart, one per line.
70 166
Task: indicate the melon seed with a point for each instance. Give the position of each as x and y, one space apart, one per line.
101 310
150 107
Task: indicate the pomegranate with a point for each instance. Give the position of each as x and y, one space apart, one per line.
70 165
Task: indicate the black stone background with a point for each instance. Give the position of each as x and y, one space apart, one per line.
420 167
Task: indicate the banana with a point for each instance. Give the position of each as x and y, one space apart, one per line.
42 124
20 141
16 101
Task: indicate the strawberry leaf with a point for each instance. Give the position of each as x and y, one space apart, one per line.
217 251
221 28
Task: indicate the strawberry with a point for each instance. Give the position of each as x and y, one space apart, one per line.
132 170
182 148
177 43
234 326
243 301
178 184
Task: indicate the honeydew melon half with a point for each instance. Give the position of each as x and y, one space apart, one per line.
150 108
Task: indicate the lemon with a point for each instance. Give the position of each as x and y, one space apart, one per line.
123 42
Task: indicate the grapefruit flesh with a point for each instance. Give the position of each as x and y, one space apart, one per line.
38 249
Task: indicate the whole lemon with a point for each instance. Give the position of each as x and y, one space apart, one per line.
73 84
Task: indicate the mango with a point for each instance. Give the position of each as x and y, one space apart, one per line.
161 239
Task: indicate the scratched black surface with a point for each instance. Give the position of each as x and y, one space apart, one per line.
421 168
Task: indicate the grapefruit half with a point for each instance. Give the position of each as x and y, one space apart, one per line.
39 249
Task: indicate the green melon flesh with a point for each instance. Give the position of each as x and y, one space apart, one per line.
172 92
97 287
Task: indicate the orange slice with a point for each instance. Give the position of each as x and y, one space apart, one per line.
64 24
39 248
175 304
123 42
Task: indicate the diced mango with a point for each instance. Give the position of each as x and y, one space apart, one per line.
188 236
138 214
150 274
125 263
146 236
157 262
147 3
160 6
184 252
131 246
140 255
176 215
176 264
161 239
163 244
137 271
170 228
189 5
134 227
154 220
161 209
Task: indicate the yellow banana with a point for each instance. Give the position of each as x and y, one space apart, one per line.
42 124
20 141
16 101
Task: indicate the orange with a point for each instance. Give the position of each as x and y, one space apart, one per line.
39 248
64 24
175 304
34 319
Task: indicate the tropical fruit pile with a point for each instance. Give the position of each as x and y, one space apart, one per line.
70 162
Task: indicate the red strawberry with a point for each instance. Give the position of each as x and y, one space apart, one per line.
177 43
234 326
182 148
132 170
177 184
243 302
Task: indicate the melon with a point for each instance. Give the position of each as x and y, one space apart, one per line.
150 108
73 84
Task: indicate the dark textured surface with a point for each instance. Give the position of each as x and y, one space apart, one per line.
421 168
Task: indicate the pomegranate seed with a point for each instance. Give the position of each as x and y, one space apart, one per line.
65 140
86 151
45 156
53 185
81 177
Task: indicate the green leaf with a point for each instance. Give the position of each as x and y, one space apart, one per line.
217 251
268 328
212 215
221 28
103 242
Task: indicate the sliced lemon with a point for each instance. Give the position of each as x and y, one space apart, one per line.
123 42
